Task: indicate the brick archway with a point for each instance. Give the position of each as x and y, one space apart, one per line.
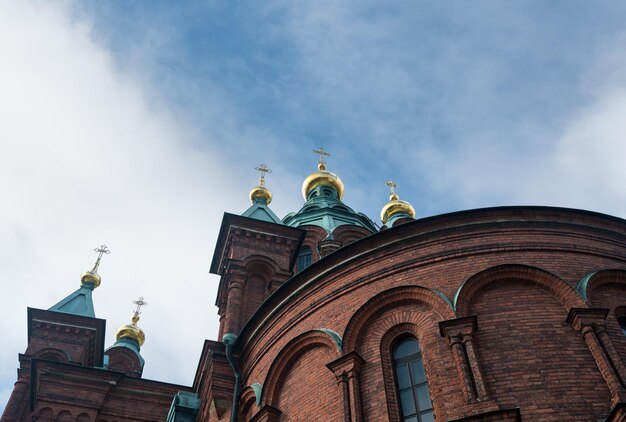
390 298
288 356
563 292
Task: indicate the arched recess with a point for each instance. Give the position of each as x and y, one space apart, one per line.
264 275
248 399
554 285
83 417
347 234
64 416
388 299
52 354
289 355
595 280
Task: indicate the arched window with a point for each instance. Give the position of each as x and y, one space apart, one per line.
411 382
304 258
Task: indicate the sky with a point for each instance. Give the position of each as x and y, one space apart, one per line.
138 124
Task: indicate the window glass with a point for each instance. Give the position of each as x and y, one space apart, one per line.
411 382
304 258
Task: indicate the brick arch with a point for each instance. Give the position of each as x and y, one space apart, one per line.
260 264
52 354
64 416
388 299
347 234
593 281
288 356
557 287
247 402
83 417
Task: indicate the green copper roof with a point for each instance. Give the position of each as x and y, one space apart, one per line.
323 208
78 303
260 211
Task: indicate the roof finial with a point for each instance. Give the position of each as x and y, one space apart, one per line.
102 250
392 189
139 302
321 165
92 277
262 169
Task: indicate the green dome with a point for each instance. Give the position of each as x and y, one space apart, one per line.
323 208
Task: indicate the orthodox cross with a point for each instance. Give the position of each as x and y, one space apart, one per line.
139 302
392 186
322 153
262 169
102 250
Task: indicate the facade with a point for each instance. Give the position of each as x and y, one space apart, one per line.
496 314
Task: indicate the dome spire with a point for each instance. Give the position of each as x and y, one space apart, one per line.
132 331
260 192
322 177
92 277
395 208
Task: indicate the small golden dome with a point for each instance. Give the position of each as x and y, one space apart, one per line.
91 277
261 192
396 206
131 331
322 178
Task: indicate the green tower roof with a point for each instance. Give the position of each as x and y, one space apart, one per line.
77 303
323 208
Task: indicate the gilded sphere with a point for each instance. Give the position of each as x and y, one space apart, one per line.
91 277
261 192
322 178
131 331
395 206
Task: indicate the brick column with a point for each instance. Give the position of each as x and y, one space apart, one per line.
462 367
233 304
588 321
479 383
17 402
347 369
460 335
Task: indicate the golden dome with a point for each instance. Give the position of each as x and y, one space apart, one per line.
91 277
396 206
322 178
261 192
131 331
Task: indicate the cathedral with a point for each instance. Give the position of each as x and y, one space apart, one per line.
493 314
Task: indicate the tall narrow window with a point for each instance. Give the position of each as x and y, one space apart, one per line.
415 402
304 258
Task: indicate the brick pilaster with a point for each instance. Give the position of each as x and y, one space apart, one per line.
347 369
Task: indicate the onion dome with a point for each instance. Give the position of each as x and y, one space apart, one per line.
132 331
323 191
322 177
395 208
260 193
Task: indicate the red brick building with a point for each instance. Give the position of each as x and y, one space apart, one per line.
497 314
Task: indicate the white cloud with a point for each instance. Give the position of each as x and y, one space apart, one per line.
85 158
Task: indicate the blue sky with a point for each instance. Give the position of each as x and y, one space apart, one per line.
138 124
